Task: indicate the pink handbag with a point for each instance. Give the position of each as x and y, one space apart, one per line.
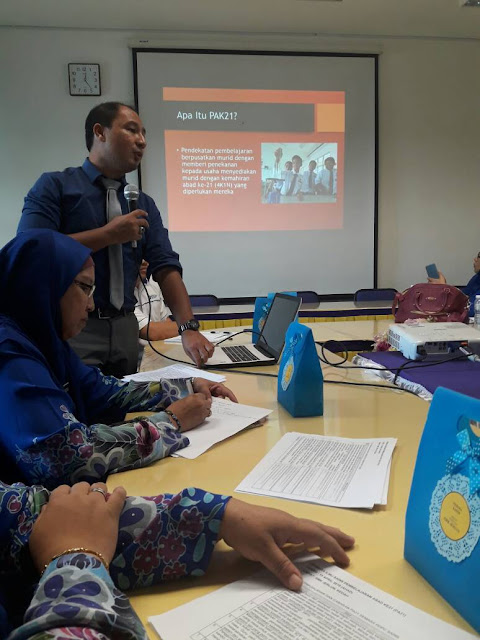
431 302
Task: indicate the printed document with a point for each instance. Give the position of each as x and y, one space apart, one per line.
227 419
173 372
332 604
338 472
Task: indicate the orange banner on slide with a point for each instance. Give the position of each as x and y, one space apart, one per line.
181 94
330 117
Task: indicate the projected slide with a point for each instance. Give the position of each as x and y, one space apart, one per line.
254 160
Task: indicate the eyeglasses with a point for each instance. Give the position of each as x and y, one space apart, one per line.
86 288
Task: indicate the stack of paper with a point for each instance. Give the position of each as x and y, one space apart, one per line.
338 472
174 372
332 604
227 419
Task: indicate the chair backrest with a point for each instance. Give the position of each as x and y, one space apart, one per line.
204 300
308 296
371 295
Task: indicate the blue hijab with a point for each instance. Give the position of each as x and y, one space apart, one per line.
36 269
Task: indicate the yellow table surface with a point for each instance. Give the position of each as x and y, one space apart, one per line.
348 412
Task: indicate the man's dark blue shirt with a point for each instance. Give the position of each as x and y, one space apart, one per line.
72 201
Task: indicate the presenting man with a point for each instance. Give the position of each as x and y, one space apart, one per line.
88 204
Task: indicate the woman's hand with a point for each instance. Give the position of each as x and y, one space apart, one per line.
191 411
77 517
440 280
209 389
259 533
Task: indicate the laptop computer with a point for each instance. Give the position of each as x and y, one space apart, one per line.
268 345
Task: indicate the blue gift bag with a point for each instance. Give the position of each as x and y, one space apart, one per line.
262 307
442 528
300 379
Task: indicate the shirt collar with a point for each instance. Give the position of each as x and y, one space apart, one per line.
93 173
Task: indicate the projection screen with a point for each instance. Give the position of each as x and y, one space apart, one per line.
263 166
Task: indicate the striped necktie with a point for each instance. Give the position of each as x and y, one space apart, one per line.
292 184
115 253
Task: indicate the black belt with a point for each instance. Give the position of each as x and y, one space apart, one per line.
108 314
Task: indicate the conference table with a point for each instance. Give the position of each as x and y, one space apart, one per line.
349 411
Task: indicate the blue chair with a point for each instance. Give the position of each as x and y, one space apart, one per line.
308 296
372 295
204 300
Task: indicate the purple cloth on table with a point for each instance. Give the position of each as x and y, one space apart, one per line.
459 375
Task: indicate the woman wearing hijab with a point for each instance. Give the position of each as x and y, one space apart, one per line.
87 544
56 411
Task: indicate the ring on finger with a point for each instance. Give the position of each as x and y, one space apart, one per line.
99 490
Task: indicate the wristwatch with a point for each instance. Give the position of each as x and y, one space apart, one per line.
192 325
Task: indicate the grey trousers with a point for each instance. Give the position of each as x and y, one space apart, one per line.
109 344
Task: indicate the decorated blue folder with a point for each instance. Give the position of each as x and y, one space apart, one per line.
300 379
442 527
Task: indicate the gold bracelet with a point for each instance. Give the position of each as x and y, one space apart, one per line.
97 554
174 417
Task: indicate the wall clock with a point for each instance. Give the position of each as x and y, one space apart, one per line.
84 79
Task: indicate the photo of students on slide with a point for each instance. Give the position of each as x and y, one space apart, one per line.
327 178
309 174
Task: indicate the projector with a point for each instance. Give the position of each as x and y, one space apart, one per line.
432 338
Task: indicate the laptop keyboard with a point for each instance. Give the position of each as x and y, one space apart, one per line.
240 354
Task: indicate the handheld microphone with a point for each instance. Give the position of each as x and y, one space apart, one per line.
131 194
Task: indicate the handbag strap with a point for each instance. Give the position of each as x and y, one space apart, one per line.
396 301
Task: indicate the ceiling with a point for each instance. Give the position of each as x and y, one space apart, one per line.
421 18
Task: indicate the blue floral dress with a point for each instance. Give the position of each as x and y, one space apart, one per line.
160 538
79 452
55 409
49 444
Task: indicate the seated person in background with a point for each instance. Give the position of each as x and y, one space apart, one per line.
86 543
161 326
473 286
54 408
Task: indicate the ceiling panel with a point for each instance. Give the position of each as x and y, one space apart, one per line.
435 18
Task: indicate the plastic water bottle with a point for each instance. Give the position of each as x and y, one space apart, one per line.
476 318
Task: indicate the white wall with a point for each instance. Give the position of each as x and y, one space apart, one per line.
429 121
429 196
41 125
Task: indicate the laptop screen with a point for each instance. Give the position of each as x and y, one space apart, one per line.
282 312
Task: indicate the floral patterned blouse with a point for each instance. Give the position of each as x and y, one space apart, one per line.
50 446
160 538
